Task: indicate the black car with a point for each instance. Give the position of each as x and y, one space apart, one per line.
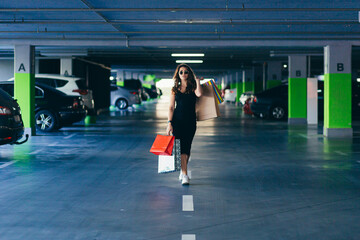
11 124
153 91
273 102
53 109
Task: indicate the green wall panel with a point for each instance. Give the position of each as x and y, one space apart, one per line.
248 87
24 92
232 85
337 100
297 97
272 83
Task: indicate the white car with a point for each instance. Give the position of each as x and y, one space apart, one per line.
230 95
70 85
122 98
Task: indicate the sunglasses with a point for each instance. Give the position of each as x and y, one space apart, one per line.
185 72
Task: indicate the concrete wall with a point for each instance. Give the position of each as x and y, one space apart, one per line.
6 69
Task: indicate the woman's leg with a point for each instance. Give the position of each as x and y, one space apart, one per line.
184 162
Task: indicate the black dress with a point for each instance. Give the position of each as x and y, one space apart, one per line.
184 120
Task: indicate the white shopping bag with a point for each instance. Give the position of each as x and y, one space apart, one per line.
166 164
170 163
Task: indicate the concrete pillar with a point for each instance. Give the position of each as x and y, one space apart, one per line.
312 101
337 91
66 66
264 75
120 76
135 75
297 90
239 85
247 77
127 75
24 84
273 74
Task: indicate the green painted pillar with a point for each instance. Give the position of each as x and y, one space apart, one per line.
24 84
297 90
337 91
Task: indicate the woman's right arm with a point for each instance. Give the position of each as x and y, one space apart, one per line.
169 128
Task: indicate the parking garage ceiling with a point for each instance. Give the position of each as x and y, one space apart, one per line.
232 34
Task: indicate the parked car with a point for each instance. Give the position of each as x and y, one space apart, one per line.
122 98
273 102
244 97
53 108
135 85
230 95
11 124
70 85
153 92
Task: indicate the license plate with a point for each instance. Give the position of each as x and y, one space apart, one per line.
17 118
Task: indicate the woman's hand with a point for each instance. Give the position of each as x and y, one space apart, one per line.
198 79
169 129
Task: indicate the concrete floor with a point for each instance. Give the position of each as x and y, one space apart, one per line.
251 179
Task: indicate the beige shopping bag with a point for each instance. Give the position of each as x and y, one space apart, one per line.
206 105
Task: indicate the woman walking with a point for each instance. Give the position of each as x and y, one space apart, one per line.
182 116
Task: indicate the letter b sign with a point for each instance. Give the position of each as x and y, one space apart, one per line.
340 67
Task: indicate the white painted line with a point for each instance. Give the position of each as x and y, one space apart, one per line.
341 153
69 136
53 144
188 203
36 151
188 237
8 164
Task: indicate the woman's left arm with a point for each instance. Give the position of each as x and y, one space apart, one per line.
198 90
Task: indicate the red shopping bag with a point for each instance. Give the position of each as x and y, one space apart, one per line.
163 145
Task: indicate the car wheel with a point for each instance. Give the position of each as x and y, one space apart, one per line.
45 121
277 112
122 104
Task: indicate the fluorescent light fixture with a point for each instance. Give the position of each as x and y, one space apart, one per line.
358 79
111 78
189 61
187 54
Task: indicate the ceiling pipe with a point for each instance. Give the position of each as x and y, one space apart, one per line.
188 32
190 22
178 9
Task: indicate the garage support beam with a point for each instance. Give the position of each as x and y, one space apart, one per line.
337 91
297 89
273 74
239 85
24 84
66 66
247 81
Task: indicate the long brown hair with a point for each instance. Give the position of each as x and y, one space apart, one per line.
191 84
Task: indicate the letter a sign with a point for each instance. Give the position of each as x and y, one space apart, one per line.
22 67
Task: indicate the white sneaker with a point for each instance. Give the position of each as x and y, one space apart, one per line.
185 180
181 176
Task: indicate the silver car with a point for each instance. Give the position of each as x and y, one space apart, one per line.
123 98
